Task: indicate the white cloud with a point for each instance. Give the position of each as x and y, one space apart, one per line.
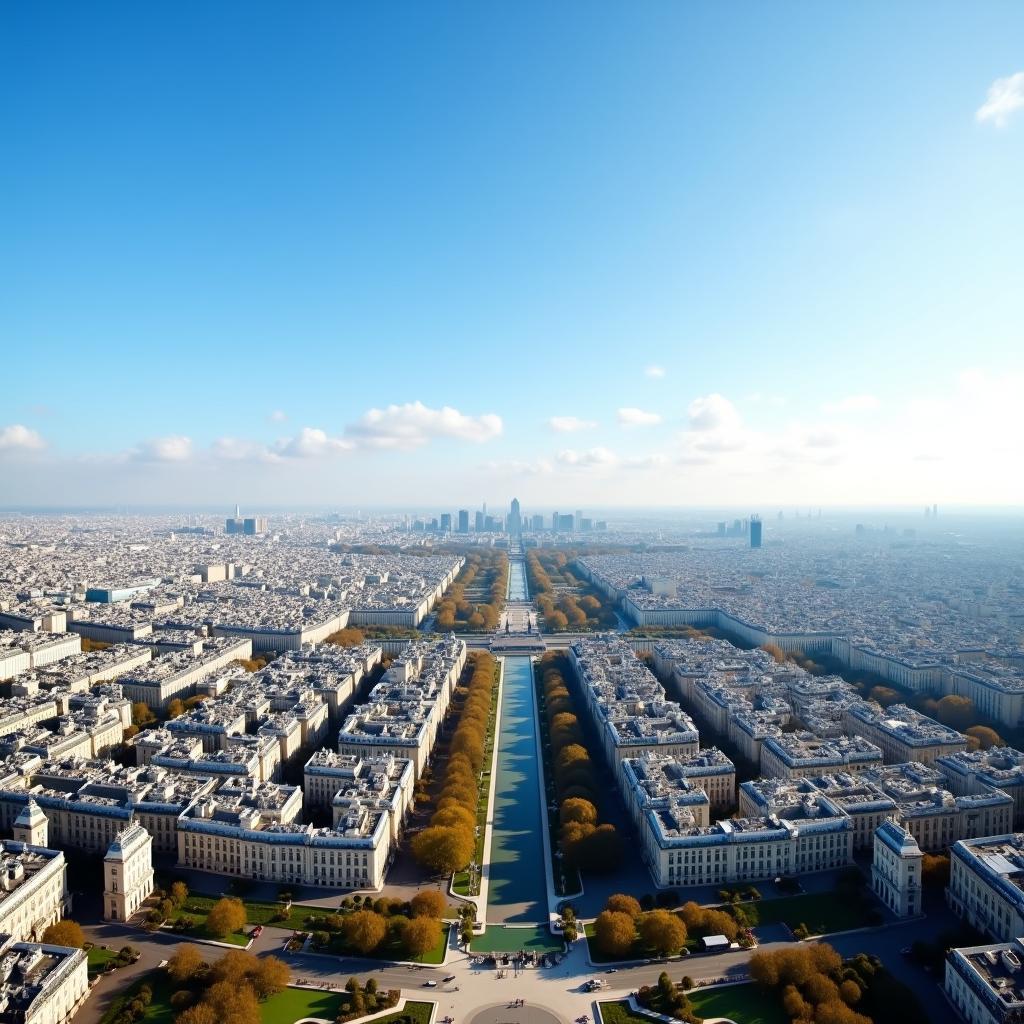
174 448
17 437
570 424
852 403
654 461
1005 97
278 416
713 412
414 424
312 443
235 449
655 372
591 458
638 418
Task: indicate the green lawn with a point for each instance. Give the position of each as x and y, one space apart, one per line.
621 1013
821 912
502 939
97 957
745 1004
295 1003
284 1008
258 912
418 1012
159 1010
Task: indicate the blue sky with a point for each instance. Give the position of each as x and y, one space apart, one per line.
744 250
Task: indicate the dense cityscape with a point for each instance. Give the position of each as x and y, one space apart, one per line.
332 737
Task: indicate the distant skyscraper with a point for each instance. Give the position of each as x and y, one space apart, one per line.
537 522
577 523
254 525
446 522
478 521
515 519
463 520
755 531
935 511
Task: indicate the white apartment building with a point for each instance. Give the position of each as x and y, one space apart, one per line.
986 983
33 890
127 873
986 884
896 869
42 984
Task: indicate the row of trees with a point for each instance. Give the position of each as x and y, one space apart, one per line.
449 842
622 924
367 931
815 986
226 992
458 612
583 841
558 600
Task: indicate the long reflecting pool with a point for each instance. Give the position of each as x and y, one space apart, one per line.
518 590
518 889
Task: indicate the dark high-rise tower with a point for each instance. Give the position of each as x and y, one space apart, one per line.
755 531
515 519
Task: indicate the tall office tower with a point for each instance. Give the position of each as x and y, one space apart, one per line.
577 522
721 529
935 511
463 520
515 519
446 522
927 511
478 521
755 531
233 525
537 522
554 520
565 524
254 525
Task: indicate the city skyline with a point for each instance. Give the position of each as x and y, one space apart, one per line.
222 285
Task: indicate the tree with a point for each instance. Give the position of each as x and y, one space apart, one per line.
227 915
65 933
179 893
986 737
233 1004
443 848
624 904
662 932
201 1013
269 975
955 711
175 708
850 992
577 810
185 964
364 931
142 714
615 932
422 934
428 903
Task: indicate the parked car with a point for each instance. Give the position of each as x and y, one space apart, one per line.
430 984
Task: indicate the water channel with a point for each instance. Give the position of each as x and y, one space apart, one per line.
518 888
